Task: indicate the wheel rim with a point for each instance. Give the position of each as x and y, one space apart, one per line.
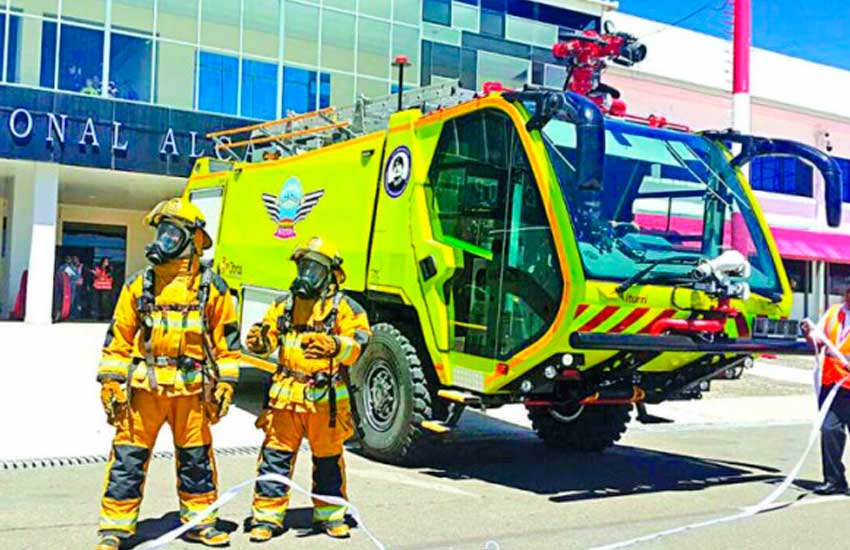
381 396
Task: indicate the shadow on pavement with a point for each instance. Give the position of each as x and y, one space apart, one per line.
518 459
150 529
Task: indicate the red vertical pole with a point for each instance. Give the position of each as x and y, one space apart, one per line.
741 70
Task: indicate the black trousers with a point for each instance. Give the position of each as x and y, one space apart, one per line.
834 435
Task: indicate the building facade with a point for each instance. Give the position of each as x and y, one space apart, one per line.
104 105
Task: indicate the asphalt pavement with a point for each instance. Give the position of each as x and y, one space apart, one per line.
493 485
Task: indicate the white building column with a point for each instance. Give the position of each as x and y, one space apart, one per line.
20 194
817 299
45 205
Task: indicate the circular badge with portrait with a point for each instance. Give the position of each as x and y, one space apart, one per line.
398 172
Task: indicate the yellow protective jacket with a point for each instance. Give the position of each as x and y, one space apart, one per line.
285 330
175 333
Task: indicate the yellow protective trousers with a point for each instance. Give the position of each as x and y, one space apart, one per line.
131 453
284 431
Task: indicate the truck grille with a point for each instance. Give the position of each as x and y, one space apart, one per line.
776 328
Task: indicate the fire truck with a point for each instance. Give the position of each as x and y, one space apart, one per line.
531 246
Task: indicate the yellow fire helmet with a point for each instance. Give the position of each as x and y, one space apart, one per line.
323 252
183 212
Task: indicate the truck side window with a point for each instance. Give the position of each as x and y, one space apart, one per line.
486 205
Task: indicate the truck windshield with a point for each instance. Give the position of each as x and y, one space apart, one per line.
663 194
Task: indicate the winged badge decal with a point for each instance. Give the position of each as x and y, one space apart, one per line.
291 206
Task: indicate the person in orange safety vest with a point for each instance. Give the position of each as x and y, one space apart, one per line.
835 325
171 355
102 286
319 332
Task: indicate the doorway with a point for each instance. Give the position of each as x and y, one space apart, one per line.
77 295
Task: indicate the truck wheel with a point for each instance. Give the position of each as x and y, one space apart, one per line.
593 428
392 396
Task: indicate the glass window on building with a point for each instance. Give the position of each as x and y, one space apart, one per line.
80 58
88 11
838 279
130 67
492 23
134 15
302 89
338 41
466 17
220 23
372 87
216 82
48 8
342 89
262 24
445 60
407 11
437 11
376 8
799 276
510 71
13 44
44 53
177 20
301 33
175 75
259 89
406 42
373 48
789 176
347 5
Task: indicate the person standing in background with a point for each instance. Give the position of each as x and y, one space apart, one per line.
103 285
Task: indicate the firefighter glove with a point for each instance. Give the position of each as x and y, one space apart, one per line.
223 397
319 346
114 399
256 340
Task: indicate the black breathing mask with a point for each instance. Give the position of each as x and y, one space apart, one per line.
170 242
312 279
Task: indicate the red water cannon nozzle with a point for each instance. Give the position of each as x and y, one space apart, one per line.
586 54
491 87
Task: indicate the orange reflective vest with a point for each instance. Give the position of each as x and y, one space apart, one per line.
838 332
102 279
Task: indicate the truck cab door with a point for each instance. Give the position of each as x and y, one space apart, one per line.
504 285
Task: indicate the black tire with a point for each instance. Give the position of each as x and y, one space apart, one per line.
596 428
391 432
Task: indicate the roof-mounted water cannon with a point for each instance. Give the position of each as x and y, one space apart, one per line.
586 55
715 276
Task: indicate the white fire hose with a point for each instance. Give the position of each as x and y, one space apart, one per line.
767 503
231 493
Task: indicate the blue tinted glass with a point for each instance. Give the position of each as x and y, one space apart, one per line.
259 89
445 60
566 18
470 2
789 176
492 23
48 54
299 90
324 90
522 8
495 5
217 83
437 11
130 67
80 60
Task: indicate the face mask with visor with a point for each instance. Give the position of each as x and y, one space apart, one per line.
314 274
170 242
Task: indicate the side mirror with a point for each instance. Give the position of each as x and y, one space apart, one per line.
753 147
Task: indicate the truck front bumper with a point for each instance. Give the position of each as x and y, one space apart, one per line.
678 343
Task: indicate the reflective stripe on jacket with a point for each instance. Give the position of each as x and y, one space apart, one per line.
352 331
833 326
102 279
176 331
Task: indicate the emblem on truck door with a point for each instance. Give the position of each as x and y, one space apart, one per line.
398 172
290 206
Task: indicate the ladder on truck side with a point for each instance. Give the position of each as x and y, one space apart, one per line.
299 133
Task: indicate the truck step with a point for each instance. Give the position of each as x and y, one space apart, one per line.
435 426
460 397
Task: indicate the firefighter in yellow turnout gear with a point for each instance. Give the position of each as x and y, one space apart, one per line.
319 332
171 355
